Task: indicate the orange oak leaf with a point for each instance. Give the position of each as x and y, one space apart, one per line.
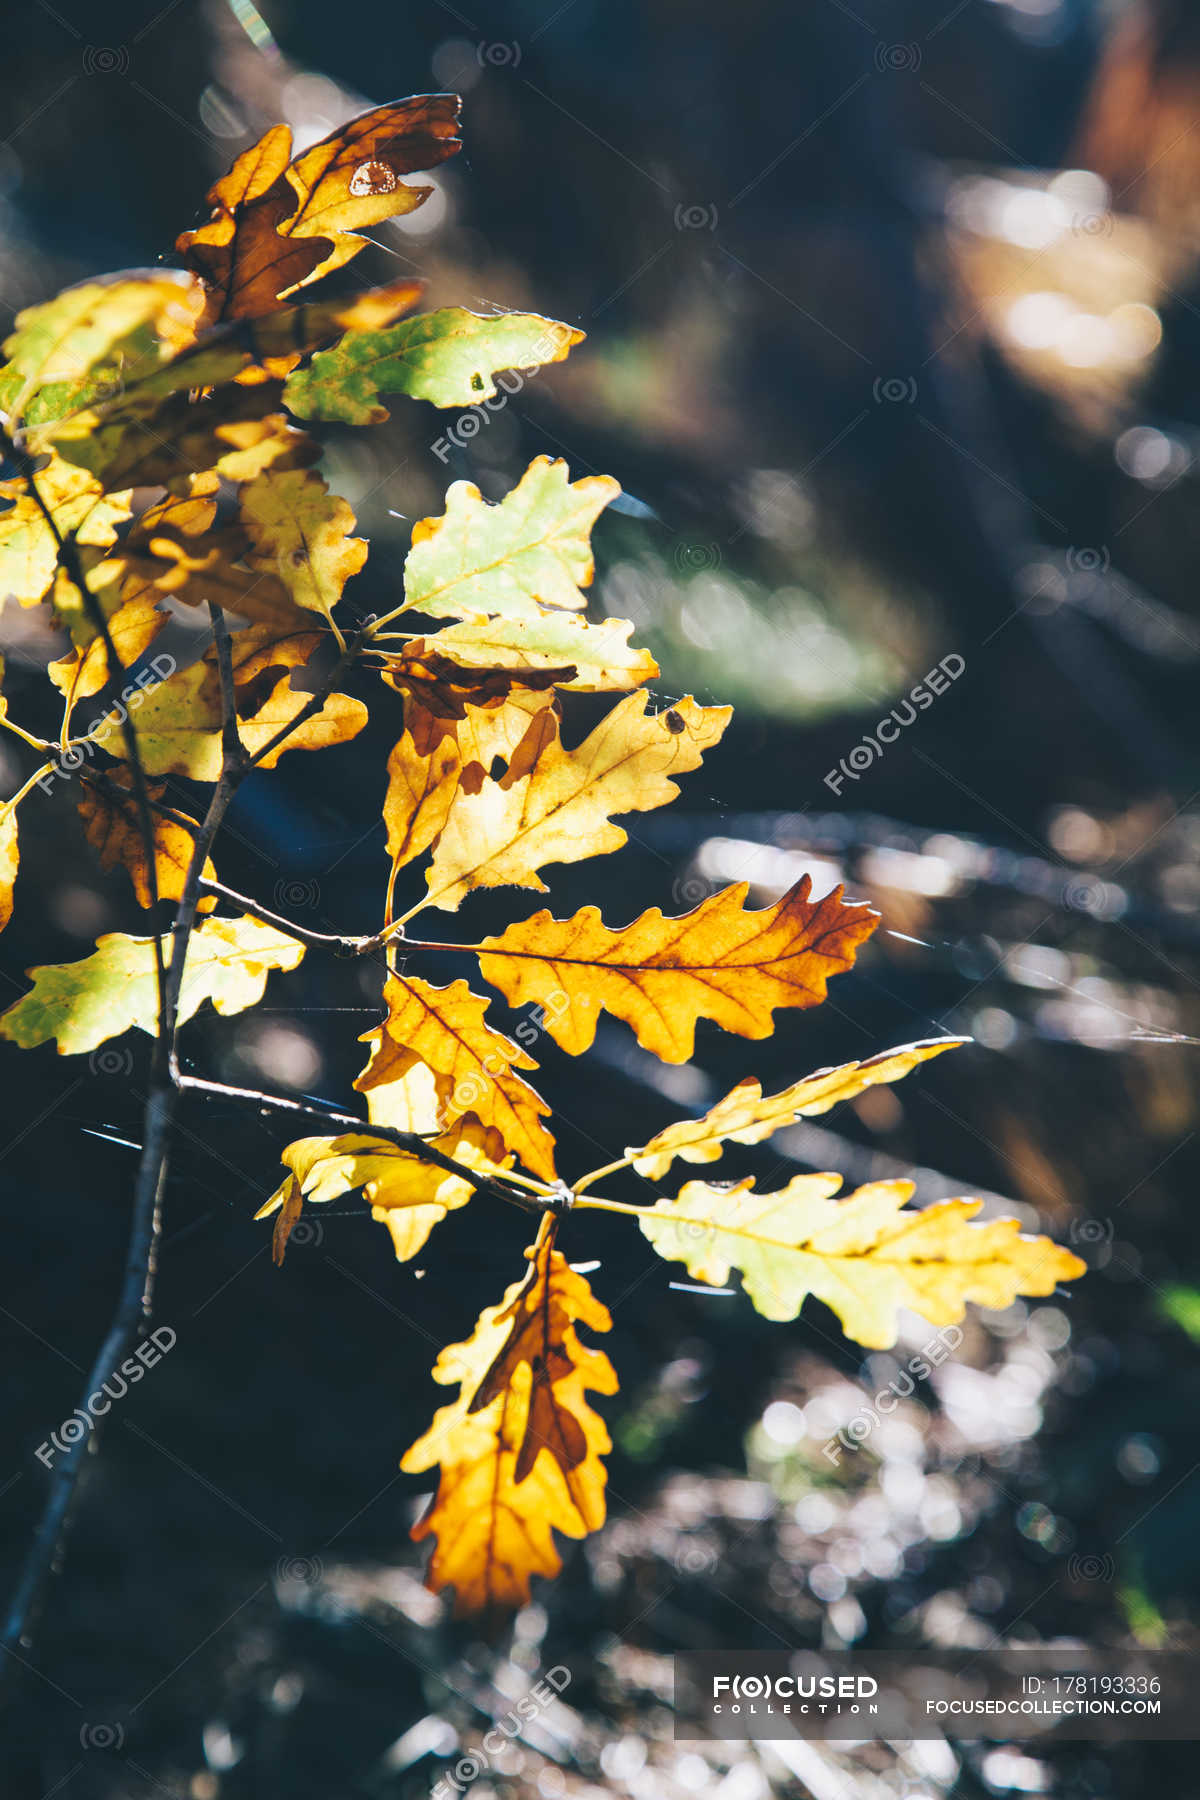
721 962
520 1449
278 224
474 1066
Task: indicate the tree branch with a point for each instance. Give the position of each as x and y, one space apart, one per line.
137 1286
133 1305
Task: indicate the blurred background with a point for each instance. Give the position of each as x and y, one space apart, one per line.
893 321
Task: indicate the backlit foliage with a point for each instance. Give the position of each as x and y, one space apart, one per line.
154 459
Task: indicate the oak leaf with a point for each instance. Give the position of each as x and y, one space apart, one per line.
559 810
520 1448
660 975
28 546
746 1115
277 224
81 1004
10 858
441 756
863 1256
474 1066
450 358
178 722
112 824
84 670
532 549
590 659
85 343
301 532
407 1195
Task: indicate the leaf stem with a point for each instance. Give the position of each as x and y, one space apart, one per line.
11 804
613 1206
36 743
378 624
595 1175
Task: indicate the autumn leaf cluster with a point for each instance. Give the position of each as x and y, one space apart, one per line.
159 463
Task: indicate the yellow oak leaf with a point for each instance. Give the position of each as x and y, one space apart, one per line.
474 1066
28 548
407 1195
531 550
178 722
300 532
133 627
746 1115
520 1448
81 1004
408 1103
559 810
586 659
437 758
10 858
277 224
112 825
864 1256
721 962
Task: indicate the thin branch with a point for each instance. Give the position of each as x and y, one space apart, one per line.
316 940
341 943
408 1141
134 1300
232 751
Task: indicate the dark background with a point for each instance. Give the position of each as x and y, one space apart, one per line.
883 386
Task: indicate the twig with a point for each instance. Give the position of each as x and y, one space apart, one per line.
341 943
407 1141
316 940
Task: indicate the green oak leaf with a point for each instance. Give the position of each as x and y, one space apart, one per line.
82 1004
530 551
865 1256
450 358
